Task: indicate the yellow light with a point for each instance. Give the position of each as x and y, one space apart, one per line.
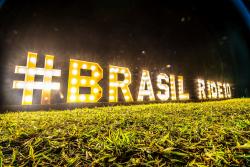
145 80
126 81
111 91
91 97
29 83
28 99
82 97
18 85
73 90
74 72
111 98
122 84
57 73
209 93
73 81
163 94
92 82
32 71
214 90
111 76
72 97
114 84
201 89
228 90
95 90
84 66
93 68
61 95
220 90
84 81
172 87
48 73
75 65
50 62
20 70
182 95
96 74
33 60
127 97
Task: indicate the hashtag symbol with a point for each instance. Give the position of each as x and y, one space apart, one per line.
29 84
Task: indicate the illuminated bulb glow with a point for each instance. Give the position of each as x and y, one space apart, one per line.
181 94
73 90
96 74
72 97
91 98
29 83
209 92
163 94
172 87
74 72
33 59
37 71
95 90
93 67
82 97
201 89
111 97
84 66
75 65
77 81
73 81
227 89
36 85
114 84
50 62
220 90
214 90
145 81
83 81
92 82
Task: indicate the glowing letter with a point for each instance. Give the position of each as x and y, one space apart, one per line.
201 89
214 90
227 90
77 81
164 87
146 88
220 90
114 83
172 87
29 83
209 93
182 95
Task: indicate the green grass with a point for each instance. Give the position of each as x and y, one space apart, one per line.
172 134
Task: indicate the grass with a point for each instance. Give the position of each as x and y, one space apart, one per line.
172 134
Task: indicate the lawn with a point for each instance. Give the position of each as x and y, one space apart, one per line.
166 134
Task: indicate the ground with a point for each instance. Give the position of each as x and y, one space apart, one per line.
213 133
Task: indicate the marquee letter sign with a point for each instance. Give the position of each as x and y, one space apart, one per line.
84 86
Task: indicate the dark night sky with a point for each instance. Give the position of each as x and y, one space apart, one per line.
198 38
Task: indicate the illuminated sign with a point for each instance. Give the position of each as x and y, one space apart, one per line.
87 75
